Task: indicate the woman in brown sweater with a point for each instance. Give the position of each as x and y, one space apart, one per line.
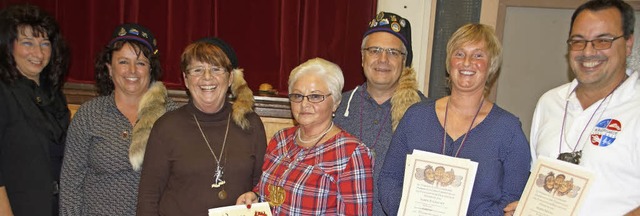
210 151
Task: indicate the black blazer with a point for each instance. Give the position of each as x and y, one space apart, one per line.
33 123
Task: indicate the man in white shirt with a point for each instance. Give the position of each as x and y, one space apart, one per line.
594 121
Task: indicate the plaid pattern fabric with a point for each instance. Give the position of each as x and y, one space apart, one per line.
333 178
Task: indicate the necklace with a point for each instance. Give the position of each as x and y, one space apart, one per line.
217 176
444 136
382 126
277 194
320 136
574 156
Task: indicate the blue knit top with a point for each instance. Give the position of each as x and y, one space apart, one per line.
497 144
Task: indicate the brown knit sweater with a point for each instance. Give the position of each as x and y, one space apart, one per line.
178 167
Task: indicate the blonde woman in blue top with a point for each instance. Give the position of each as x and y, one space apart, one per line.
466 125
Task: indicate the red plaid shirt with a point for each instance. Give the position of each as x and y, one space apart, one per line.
333 178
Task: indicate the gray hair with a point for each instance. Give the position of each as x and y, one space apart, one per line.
328 71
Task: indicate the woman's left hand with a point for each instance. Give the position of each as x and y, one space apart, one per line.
247 198
510 208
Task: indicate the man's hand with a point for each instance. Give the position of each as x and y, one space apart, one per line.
635 212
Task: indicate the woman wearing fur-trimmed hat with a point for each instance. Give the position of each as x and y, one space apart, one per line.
108 134
210 151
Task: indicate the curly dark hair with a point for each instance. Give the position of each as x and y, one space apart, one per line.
626 13
103 81
13 20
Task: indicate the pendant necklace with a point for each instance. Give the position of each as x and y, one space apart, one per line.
217 176
574 156
277 194
382 126
444 136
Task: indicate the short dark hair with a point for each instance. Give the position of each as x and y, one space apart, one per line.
626 12
13 20
104 83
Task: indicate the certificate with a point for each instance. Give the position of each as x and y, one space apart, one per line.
554 188
436 184
257 209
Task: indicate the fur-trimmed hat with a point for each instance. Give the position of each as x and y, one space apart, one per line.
132 31
243 103
395 25
228 50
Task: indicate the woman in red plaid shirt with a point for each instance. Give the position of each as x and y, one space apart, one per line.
315 168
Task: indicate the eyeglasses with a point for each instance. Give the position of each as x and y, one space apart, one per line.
377 52
598 44
199 71
313 98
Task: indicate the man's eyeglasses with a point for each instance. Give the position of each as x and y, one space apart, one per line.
598 44
313 98
377 52
199 71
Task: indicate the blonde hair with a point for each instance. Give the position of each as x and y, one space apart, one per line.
474 33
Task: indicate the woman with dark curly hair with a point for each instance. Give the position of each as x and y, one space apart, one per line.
33 111
108 135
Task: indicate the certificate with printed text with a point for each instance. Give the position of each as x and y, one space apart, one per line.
436 184
554 188
257 209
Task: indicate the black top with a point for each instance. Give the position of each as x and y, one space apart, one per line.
33 123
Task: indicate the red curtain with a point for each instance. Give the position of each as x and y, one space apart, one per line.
270 37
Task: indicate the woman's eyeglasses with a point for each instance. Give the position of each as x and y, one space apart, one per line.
313 98
199 71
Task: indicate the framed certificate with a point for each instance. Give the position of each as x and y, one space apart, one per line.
257 209
436 184
554 188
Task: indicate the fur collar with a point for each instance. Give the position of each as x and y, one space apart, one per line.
405 95
243 103
151 107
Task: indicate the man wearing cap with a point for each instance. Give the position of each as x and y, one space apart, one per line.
372 110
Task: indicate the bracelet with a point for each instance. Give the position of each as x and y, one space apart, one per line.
257 195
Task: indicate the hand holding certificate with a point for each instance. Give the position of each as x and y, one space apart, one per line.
554 188
436 184
257 209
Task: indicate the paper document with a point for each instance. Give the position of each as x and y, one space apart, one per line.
436 184
257 209
554 188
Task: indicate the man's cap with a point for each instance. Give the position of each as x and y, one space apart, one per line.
395 25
